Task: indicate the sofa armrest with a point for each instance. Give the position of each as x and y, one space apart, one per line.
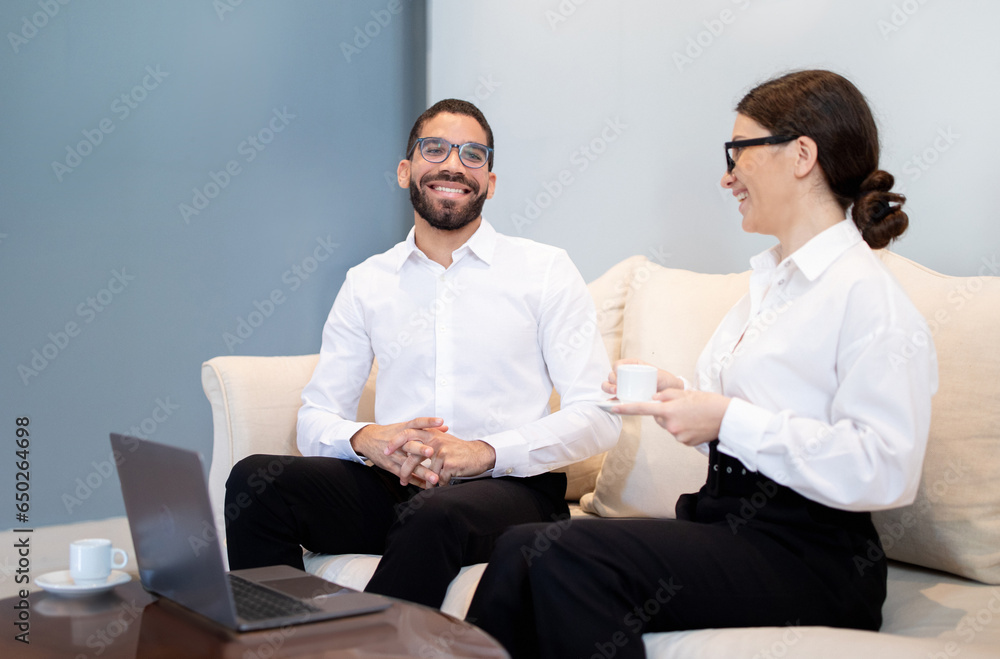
255 403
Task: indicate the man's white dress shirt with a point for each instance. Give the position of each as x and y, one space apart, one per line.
479 344
831 370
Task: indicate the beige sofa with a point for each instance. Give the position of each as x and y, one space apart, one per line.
943 599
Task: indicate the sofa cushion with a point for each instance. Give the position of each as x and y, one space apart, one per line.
954 524
609 292
669 316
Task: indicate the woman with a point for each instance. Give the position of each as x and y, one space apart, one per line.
809 416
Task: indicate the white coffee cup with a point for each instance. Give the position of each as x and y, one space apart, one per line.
636 382
90 560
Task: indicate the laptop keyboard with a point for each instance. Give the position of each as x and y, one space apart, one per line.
255 602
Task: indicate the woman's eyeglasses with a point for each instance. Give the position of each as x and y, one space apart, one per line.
734 149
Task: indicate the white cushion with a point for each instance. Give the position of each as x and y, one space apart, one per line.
669 316
927 615
954 524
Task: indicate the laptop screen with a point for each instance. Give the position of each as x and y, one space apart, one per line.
176 544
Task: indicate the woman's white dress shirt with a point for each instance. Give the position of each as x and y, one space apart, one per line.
831 370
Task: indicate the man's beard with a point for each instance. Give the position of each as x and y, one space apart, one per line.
447 215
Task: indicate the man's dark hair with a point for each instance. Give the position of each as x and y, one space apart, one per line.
451 106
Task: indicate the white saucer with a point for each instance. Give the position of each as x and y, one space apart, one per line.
606 405
62 583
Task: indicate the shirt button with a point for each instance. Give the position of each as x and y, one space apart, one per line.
510 470
729 470
443 382
441 329
780 282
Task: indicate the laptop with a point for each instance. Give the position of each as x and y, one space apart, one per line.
180 555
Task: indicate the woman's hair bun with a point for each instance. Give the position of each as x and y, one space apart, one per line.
877 212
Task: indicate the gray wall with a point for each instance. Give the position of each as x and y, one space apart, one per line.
610 116
284 115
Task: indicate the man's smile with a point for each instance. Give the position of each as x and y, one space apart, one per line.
449 188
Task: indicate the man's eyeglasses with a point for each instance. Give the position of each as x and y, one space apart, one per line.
734 149
437 149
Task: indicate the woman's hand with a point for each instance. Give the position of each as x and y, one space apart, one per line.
664 379
693 417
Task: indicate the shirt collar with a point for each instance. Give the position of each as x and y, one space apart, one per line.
482 243
813 258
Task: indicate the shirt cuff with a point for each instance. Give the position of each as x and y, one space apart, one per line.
742 431
340 446
511 450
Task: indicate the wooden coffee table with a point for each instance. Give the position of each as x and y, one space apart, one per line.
129 622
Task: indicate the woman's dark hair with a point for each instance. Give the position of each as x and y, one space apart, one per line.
829 108
451 106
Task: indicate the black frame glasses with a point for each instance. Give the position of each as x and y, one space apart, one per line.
739 145
432 150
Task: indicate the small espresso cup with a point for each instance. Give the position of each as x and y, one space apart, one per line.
90 560
636 382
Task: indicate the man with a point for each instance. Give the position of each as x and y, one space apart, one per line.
471 329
